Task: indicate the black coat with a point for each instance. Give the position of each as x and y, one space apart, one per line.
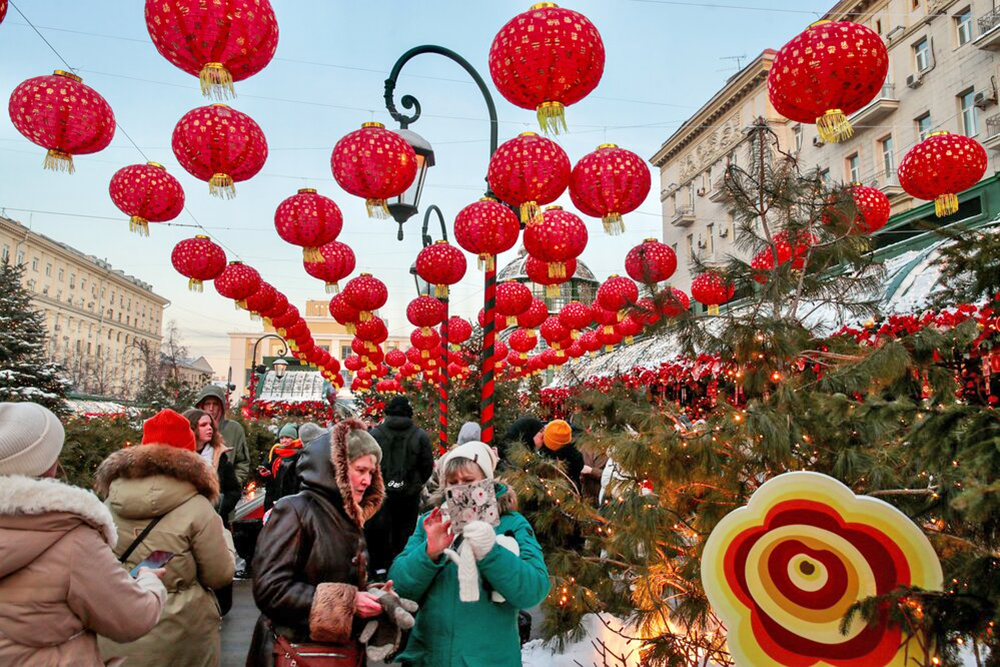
229 488
571 458
407 457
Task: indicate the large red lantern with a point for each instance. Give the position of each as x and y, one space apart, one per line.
674 303
827 73
441 265
60 113
528 171
590 341
712 290
342 311
147 193
534 315
486 228
941 166
558 238
522 341
538 272
261 301
575 316
221 146
512 299
459 331
395 358
617 293
365 294
218 42
629 328
546 59
309 220
238 282
338 263
650 262
198 259
374 163
609 183
872 206
426 312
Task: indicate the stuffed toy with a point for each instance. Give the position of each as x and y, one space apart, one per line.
382 634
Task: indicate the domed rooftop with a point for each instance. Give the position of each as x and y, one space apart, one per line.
515 270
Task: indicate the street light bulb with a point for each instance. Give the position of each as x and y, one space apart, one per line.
279 366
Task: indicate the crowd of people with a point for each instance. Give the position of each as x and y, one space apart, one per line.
370 548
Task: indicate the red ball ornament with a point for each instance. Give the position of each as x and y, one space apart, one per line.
609 183
522 341
279 306
60 113
309 220
629 328
486 228
218 42
221 146
395 358
827 73
941 166
426 312
147 193
459 331
441 265
338 263
198 259
262 300
375 164
345 314
237 282
710 289
365 294
538 273
512 299
553 331
575 316
590 341
650 262
527 172
559 237
546 59
535 314
617 293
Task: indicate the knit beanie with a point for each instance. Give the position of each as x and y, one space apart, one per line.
478 452
361 443
31 438
167 427
288 431
557 434
470 432
309 432
399 407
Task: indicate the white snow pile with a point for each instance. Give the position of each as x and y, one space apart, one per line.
587 652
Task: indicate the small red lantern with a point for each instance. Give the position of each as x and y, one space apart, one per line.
941 166
237 282
575 350
459 331
609 183
553 331
198 259
395 358
538 272
342 311
499 321
762 265
512 299
365 294
590 341
375 164
285 319
262 300
609 337
338 263
617 293
646 312
373 331
147 193
602 317
546 59
535 314
218 42
629 328
309 220
650 262
441 265
827 73
873 208
558 238
575 316
426 312
486 228
353 363
522 341
279 306
425 341
220 145
712 290
60 113
527 172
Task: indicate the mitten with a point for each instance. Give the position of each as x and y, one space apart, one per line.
511 545
480 536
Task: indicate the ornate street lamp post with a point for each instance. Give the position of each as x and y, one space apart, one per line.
279 365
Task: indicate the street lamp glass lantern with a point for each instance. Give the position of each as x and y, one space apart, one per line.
403 207
280 365
423 287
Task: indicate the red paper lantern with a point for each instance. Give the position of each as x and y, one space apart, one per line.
762 264
617 293
395 358
646 312
426 312
576 350
486 228
374 163
309 220
575 316
365 294
941 166
609 337
338 263
602 317
218 42
342 311
459 331
522 341
650 262
827 73
553 332
512 299
221 146
279 306
237 282
262 300
147 193
590 342
535 314
546 59
499 321
441 265
710 289
873 208
559 237
609 183
60 113
285 319
425 340
629 328
353 363
3 10
527 172
198 259
372 331
538 272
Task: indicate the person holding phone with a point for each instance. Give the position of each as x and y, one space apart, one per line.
60 583
474 581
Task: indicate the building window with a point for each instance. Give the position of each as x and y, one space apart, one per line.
923 126
970 122
690 195
825 176
62 275
888 159
20 258
690 245
878 26
963 26
6 253
915 4
854 168
345 351
797 131
34 264
48 270
31 285
922 55
72 281
710 246
673 204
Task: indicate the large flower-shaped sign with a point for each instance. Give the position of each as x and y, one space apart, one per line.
782 572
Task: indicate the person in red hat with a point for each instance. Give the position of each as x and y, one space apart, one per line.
162 497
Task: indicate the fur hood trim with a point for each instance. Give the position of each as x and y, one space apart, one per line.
374 495
148 460
32 497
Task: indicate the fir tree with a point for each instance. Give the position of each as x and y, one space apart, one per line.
25 374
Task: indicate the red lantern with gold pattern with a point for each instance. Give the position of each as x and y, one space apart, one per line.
827 73
553 331
617 293
338 263
873 210
342 311
279 306
575 316
395 358
609 183
459 331
941 166
373 331
262 300
375 164
712 290
310 220
609 337
590 341
602 317
512 299
646 312
218 42
237 282
522 341
546 59
426 312
559 237
441 264
535 314
60 113
219 145
425 340
538 272
499 321
486 228
629 328
650 262
286 318
366 293
147 193
527 172
198 259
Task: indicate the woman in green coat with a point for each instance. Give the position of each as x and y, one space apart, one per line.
470 618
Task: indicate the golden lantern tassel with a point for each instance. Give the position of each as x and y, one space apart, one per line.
333 288
946 205
609 348
216 82
138 225
364 316
377 208
195 285
713 309
557 270
551 117
441 291
351 329
551 291
241 305
313 255
512 320
629 340
455 347
530 213
222 185
592 355
574 334
833 127
613 224
425 331
59 161
608 329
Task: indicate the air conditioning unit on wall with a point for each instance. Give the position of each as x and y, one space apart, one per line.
817 142
914 80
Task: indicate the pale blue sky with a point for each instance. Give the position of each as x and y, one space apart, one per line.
664 59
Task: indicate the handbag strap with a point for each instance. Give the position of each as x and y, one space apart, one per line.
139 539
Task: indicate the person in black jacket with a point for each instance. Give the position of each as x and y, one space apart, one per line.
209 444
557 443
407 464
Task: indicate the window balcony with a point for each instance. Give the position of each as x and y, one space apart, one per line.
881 107
684 217
992 140
989 31
888 183
719 192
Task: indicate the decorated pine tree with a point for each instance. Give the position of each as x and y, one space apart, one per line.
25 374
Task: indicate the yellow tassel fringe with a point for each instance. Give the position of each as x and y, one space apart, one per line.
222 185
946 205
833 127
216 82
59 161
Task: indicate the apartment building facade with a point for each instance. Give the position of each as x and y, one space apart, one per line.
102 324
943 75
